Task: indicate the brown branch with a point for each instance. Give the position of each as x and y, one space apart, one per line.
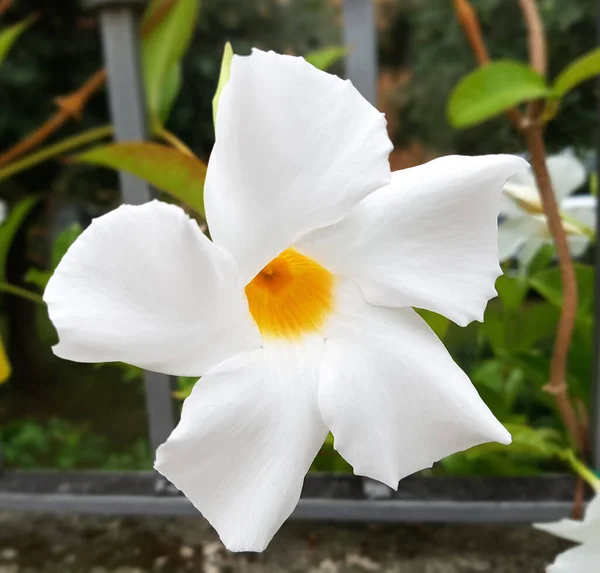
538 56
5 5
470 24
558 367
73 104
70 106
156 17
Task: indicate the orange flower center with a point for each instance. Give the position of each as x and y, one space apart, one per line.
291 296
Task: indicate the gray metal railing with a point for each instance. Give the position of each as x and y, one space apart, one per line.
330 498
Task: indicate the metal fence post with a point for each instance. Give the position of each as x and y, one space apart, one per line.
119 27
360 37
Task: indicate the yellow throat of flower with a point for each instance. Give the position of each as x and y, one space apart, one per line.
291 296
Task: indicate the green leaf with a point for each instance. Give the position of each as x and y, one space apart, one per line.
63 241
541 442
577 72
9 35
438 323
162 50
37 277
325 58
223 78
511 291
492 89
169 93
548 284
8 230
168 169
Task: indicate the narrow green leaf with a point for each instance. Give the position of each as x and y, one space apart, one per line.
169 93
492 89
438 323
577 72
8 230
63 241
548 283
325 58
162 50
166 168
223 78
9 35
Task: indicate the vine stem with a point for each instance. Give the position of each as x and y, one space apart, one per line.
174 141
5 5
21 292
73 104
55 149
558 368
538 57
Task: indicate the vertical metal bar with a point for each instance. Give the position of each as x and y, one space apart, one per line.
360 38
119 24
595 413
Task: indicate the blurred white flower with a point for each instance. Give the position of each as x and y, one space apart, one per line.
584 558
524 228
297 314
3 211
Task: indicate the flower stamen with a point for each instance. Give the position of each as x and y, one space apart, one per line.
291 296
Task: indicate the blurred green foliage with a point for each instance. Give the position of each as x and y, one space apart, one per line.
429 38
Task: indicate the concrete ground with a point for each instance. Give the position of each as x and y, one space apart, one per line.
31 543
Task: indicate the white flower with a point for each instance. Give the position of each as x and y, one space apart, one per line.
3 211
525 228
584 558
298 314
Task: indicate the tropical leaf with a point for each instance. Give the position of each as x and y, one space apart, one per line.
492 89
166 168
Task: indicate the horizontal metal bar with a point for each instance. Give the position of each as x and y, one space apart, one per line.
390 511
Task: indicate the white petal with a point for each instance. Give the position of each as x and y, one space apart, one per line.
247 436
566 173
296 149
512 235
143 285
391 394
3 211
530 249
428 240
585 531
583 559
581 208
578 245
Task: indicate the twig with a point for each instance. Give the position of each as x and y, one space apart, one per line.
558 367
174 141
54 150
5 5
470 24
21 292
71 105
149 23
538 55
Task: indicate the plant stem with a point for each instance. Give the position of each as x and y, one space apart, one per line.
469 22
581 469
23 293
55 149
5 5
174 141
71 105
538 57
558 367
